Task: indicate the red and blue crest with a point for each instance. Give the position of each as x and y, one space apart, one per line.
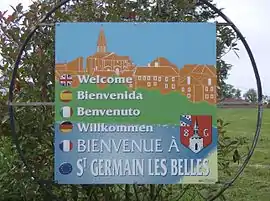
196 127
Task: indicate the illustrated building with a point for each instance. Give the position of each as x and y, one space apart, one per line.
195 81
103 60
196 141
163 76
73 67
198 83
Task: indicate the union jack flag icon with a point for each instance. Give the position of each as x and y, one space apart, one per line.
65 80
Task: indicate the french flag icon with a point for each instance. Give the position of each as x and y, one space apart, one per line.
66 145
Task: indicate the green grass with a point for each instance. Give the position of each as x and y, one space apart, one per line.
254 183
155 108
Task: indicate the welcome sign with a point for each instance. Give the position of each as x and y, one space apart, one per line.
135 103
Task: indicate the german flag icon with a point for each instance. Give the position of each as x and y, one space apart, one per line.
66 127
66 96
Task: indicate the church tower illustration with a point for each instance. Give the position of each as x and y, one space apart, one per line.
101 43
196 141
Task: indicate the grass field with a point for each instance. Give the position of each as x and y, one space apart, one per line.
254 183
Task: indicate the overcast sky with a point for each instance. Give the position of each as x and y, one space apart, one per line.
252 18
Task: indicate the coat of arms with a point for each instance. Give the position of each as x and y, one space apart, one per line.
196 131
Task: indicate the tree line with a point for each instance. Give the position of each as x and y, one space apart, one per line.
250 95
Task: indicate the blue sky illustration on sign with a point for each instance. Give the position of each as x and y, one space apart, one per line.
142 46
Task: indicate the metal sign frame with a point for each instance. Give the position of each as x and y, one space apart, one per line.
42 22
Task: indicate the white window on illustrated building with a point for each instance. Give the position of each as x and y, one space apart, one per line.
188 80
159 79
139 77
148 77
173 79
166 86
189 89
211 96
212 89
149 84
209 81
189 95
206 88
173 86
155 78
166 79
155 84
144 77
117 72
206 96
183 89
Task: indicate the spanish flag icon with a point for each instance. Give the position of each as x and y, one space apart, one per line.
66 127
66 96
